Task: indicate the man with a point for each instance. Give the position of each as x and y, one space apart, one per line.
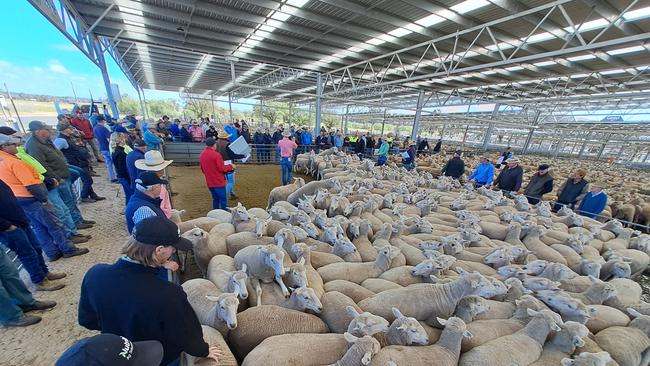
510 178
222 147
139 148
128 297
175 129
111 349
103 136
286 152
31 194
15 298
337 140
507 154
231 129
153 162
408 160
594 201
83 125
424 145
455 167
119 161
41 148
436 149
145 201
151 137
258 140
382 155
17 235
267 140
197 132
573 190
213 169
306 139
540 184
322 140
483 174
277 136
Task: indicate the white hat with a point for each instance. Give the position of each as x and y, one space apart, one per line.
152 161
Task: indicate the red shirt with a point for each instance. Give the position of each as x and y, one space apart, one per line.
213 168
84 126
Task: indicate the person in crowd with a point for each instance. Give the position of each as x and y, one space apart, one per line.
82 124
103 135
175 129
153 162
287 148
122 172
39 146
211 132
157 310
145 201
186 136
438 147
306 139
232 130
358 143
15 298
483 174
162 131
197 132
507 154
258 140
406 144
540 184
510 178
222 147
594 201
213 168
382 155
408 160
111 349
31 194
267 141
337 140
276 137
94 116
455 167
573 190
139 148
245 132
370 144
152 139
423 146
322 141
17 235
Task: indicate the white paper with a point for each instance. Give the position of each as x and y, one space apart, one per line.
227 162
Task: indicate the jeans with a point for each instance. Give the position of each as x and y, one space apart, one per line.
109 165
126 186
62 211
24 243
65 190
219 197
277 154
285 164
47 228
230 183
86 180
13 291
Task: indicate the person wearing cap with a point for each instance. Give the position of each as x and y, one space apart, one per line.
214 170
103 136
82 124
540 184
507 154
382 154
128 298
277 137
594 201
110 349
139 148
287 148
32 195
408 160
223 147
186 136
455 167
175 129
511 177
306 139
153 162
197 132
145 201
151 138
423 146
483 174
572 191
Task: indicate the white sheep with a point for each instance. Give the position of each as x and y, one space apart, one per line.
222 272
358 272
365 323
281 193
627 345
263 263
213 308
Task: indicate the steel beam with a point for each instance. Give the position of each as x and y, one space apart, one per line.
416 119
318 107
107 81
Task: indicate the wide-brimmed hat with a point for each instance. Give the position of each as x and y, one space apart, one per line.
153 161
223 135
512 160
286 133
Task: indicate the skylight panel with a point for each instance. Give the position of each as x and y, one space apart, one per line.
130 11
612 72
514 68
131 22
413 27
469 5
399 32
637 14
430 20
280 16
621 51
375 41
297 3
591 25
541 37
544 63
581 58
267 28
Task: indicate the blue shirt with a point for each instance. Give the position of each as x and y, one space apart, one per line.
306 138
102 135
153 141
175 130
131 157
484 173
338 141
232 130
592 204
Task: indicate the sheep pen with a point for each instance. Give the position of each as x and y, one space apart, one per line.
435 272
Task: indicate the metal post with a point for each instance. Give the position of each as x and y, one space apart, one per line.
214 115
319 93
636 151
602 147
416 120
230 106
261 110
488 133
309 123
383 121
647 155
290 112
11 99
146 108
620 153
584 144
465 135
345 126
141 104
107 81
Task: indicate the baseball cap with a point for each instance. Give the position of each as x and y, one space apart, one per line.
149 178
110 349
210 141
5 140
157 230
36 125
139 143
6 130
543 167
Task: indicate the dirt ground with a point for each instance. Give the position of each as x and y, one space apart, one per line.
252 186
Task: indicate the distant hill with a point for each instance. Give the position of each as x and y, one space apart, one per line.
47 98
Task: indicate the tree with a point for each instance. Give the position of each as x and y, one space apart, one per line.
271 112
128 105
167 107
196 107
329 120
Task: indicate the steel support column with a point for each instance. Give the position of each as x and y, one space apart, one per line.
416 120
144 115
488 133
345 127
214 115
262 111
465 135
144 99
230 106
309 119
531 131
319 93
383 121
647 155
584 145
106 78
602 147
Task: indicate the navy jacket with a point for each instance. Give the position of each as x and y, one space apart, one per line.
137 200
11 212
510 179
119 161
128 299
131 157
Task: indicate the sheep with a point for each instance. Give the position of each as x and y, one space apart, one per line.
365 323
570 308
281 193
354 291
404 331
204 223
596 294
201 247
335 313
378 285
310 189
221 272
263 263
469 307
541 250
358 272
302 252
562 344
521 348
588 359
445 352
626 345
301 299
214 339
221 215
615 268
213 308
605 317
261 322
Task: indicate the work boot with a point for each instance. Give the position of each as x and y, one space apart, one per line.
52 276
46 285
92 222
84 226
76 239
99 198
24 321
87 200
54 259
77 251
83 236
38 305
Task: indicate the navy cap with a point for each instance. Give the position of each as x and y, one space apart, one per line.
149 178
157 230
110 349
36 125
6 130
543 167
210 141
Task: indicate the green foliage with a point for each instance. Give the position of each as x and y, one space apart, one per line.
156 108
195 108
330 120
128 105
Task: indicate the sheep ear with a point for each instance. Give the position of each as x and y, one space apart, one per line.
467 334
578 342
633 312
398 314
593 279
461 271
244 267
434 279
352 311
567 362
532 312
349 337
442 321
301 261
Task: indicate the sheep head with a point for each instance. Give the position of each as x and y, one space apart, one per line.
365 323
406 331
551 318
509 271
539 284
455 325
590 268
195 235
588 359
572 334
237 282
305 298
535 267
366 345
226 308
273 258
261 226
240 214
343 246
640 321
296 274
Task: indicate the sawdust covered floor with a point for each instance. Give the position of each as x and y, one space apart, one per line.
252 186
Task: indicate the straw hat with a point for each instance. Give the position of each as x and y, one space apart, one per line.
223 135
286 133
412 142
513 160
153 161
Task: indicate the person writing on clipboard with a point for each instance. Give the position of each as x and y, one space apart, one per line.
287 148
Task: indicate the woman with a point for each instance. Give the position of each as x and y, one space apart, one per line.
119 161
127 298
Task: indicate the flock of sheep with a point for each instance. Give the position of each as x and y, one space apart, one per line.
381 266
